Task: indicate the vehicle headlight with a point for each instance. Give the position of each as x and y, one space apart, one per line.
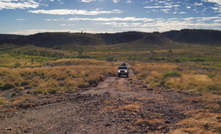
118 71
125 71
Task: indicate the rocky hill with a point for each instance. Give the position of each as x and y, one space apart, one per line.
53 40
195 36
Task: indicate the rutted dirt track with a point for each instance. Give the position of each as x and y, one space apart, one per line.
113 107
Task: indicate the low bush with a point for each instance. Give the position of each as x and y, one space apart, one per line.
53 91
93 82
24 83
215 87
172 74
8 86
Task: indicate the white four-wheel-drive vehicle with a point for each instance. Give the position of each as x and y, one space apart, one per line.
123 70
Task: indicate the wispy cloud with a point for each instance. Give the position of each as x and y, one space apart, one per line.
115 1
18 4
21 19
34 31
213 1
163 6
74 12
160 24
103 19
87 0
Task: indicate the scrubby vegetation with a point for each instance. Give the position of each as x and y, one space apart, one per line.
59 78
179 76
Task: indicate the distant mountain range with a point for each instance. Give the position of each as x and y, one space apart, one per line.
52 40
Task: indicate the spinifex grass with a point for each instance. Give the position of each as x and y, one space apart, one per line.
179 76
57 78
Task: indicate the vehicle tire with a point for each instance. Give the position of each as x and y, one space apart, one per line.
118 75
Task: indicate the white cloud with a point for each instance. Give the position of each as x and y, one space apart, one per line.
198 4
18 4
188 7
116 1
87 0
213 1
160 24
67 25
116 24
165 10
129 1
74 12
20 19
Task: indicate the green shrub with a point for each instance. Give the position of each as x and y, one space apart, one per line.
53 91
8 86
172 74
1 85
61 78
24 83
1 101
215 87
211 75
110 58
93 82
17 64
177 60
13 94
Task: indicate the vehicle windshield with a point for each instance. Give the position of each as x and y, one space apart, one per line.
122 67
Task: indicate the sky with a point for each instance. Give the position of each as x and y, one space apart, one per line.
107 16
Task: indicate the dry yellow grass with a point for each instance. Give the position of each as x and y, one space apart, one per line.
192 80
200 123
150 122
59 78
131 107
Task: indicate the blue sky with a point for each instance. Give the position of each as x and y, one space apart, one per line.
101 16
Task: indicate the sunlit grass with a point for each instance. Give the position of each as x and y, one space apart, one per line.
177 76
58 78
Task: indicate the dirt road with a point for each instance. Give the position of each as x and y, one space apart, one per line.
113 107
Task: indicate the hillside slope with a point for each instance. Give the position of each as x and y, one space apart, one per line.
152 40
65 40
55 39
51 40
195 36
